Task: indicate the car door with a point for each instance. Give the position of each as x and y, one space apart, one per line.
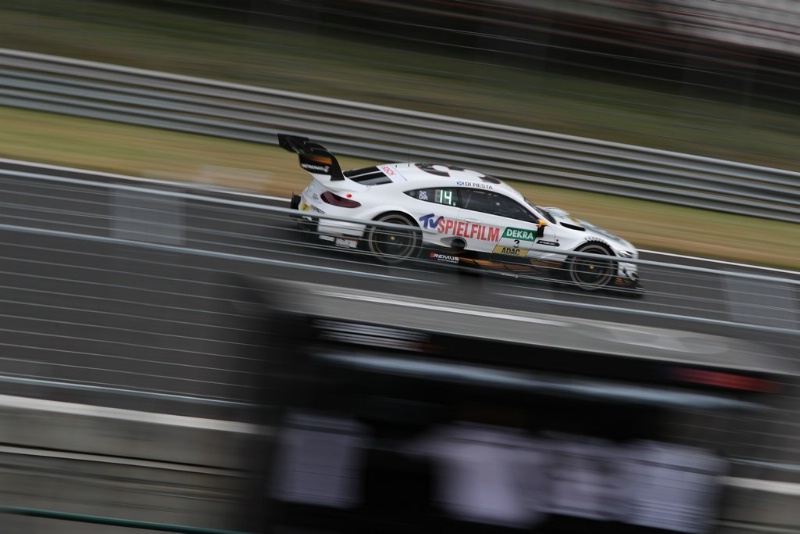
492 223
436 211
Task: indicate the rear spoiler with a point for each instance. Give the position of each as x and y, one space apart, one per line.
314 157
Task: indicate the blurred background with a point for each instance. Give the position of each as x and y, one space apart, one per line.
671 122
710 78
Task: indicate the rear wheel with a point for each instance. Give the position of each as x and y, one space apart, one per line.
394 245
591 273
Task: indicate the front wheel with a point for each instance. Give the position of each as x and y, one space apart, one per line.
591 273
394 245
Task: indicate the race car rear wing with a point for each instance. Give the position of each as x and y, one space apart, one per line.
314 157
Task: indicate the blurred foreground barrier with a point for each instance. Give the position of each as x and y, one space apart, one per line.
203 106
684 399
68 465
112 521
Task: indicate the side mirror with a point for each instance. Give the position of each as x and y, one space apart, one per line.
540 230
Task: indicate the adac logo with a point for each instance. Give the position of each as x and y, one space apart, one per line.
430 221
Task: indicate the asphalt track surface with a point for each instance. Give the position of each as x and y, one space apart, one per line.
124 288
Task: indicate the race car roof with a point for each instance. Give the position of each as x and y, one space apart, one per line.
445 175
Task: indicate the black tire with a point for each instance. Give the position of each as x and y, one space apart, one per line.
591 274
391 245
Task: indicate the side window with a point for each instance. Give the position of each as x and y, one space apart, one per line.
494 204
511 208
479 201
439 195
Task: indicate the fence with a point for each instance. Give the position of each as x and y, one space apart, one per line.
125 278
208 107
114 284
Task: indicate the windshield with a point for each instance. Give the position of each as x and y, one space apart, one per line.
539 209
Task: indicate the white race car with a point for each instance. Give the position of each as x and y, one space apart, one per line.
452 215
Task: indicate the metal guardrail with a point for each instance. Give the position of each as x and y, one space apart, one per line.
146 252
113 209
203 106
112 283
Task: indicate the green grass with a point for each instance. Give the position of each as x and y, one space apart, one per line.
465 86
265 168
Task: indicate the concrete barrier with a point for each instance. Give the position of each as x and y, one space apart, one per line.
149 467
69 427
133 466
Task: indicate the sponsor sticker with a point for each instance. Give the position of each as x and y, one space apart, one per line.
308 207
447 258
465 229
348 243
478 185
508 251
316 168
469 230
522 234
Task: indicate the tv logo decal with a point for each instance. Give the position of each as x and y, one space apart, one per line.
430 221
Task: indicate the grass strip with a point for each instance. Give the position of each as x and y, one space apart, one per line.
267 169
